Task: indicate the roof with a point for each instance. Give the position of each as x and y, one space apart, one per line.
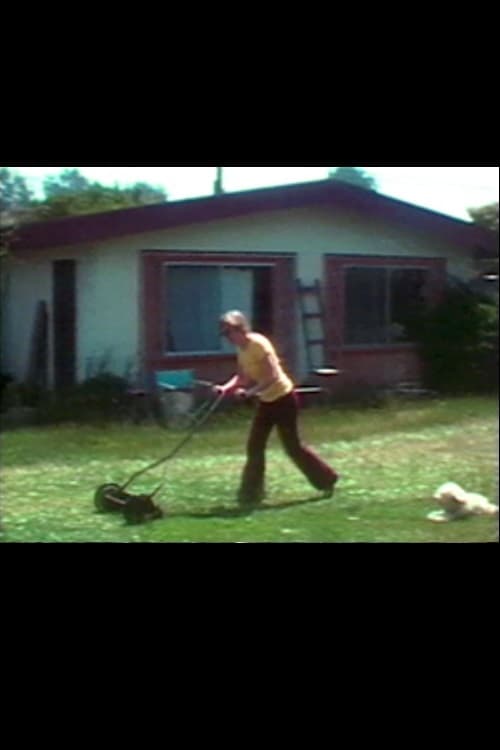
107 225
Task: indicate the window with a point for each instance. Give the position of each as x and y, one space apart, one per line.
380 301
196 296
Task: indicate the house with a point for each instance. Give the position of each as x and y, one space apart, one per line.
138 290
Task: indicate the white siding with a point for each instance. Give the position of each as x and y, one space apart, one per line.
24 285
108 315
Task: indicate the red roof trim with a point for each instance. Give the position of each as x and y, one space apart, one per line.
102 226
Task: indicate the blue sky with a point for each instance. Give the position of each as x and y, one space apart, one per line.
448 190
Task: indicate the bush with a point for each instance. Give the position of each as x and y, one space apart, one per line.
4 382
458 342
97 399
15 395
103 388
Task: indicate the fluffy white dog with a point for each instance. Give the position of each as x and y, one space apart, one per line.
456 503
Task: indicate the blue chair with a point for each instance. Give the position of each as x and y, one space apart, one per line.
175 390
175 380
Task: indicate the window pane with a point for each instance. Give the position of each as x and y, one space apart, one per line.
262 317
236 294
365 306
407 299
196 298
193 308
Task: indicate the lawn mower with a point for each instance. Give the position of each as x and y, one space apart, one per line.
111 497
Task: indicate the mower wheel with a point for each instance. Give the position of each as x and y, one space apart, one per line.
107 498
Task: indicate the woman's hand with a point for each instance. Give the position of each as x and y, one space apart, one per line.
227 388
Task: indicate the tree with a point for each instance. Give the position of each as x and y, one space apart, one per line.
15 195
485 216
16 200
354 176
143 194
70 194
68 182
15 206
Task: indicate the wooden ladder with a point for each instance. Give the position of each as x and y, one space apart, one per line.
313 323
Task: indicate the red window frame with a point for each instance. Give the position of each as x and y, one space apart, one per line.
335 302
153 304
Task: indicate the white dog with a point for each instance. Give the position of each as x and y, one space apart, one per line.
456 503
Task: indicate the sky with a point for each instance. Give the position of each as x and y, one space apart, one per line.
447 190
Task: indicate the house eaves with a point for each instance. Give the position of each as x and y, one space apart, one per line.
87 228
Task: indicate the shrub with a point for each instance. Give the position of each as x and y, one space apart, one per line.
458 342
4 382
15 395
99 398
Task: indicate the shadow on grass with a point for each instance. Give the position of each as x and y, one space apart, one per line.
223 511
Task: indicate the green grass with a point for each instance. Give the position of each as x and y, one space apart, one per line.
391 460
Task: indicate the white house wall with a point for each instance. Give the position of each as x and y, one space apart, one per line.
108 274
25 283
107 311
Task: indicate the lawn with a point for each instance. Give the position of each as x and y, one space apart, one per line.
391 459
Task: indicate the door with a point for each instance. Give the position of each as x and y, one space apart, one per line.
64 322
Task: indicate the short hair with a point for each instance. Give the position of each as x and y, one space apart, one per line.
235 319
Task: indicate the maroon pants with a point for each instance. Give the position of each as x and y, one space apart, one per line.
283 414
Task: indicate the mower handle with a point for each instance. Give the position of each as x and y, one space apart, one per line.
197 424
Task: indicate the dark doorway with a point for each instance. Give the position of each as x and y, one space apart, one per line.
37 374
64 311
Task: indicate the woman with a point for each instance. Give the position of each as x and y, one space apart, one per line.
260 374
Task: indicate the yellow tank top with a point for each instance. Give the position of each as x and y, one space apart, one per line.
250 361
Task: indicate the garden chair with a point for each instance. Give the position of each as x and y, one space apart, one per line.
176 393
